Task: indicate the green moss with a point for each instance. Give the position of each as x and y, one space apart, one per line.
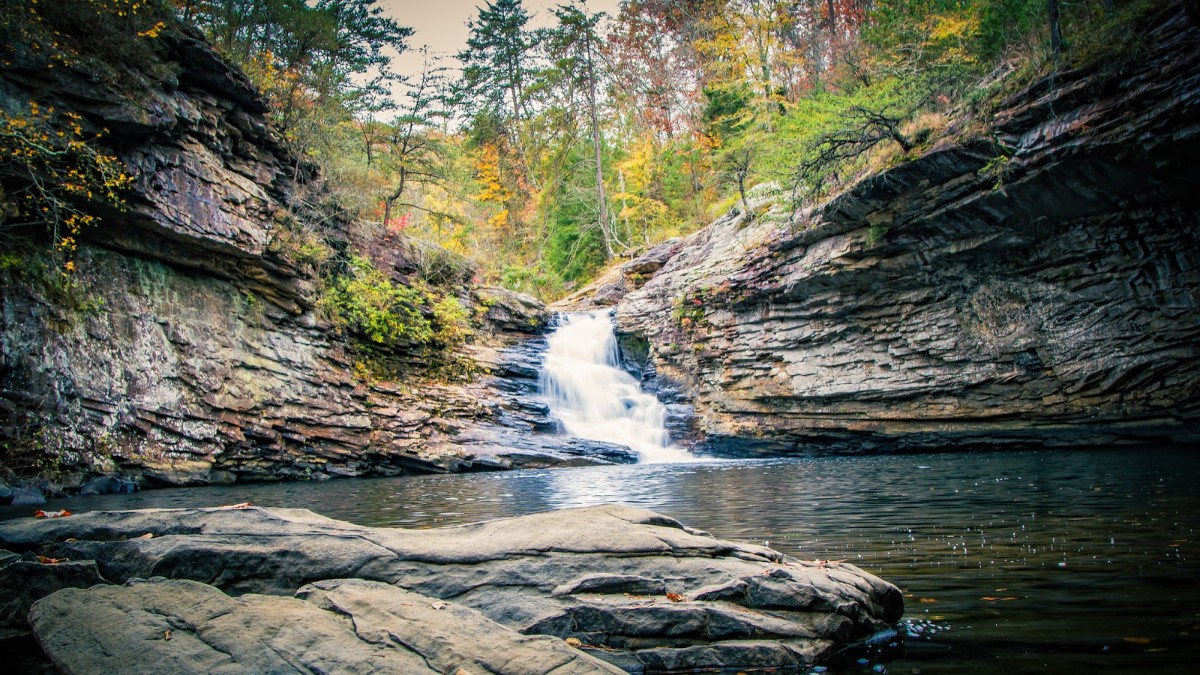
876 233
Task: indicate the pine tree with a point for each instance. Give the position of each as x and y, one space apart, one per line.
574 42
496 62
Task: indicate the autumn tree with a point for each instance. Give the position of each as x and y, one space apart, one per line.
415 149
657 73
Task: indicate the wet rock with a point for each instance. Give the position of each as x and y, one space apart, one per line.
6 493
108 485
332 626
512 311
26 578
27 495
637 588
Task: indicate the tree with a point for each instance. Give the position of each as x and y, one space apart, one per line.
1055 31
414 148
655 66
496 71
313 60
573 43
497 74
56 175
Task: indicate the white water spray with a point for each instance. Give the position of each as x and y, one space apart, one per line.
586 389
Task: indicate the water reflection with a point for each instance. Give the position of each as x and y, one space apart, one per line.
1011 562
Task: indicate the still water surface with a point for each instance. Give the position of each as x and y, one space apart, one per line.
1033 562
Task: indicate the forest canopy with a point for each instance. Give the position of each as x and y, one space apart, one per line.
545 152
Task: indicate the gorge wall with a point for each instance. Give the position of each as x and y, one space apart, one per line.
1035 284
189 348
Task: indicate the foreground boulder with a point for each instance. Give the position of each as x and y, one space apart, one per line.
341 626
634 588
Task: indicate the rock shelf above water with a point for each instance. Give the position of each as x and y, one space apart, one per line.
285 590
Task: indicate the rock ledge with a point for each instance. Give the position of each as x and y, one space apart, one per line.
284 590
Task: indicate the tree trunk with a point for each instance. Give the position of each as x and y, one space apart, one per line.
832 31
1055 33
387 202
741 183
601 197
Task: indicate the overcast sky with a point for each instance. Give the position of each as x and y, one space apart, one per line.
442 24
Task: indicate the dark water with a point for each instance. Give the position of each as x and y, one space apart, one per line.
1037 562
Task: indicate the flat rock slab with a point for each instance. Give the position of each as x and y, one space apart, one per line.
632 587
339 626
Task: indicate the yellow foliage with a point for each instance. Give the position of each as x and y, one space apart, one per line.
487 169
950 35
499 221
638 208
153 31
57 171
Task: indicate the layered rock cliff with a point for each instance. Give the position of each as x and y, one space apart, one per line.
1033 284
192 349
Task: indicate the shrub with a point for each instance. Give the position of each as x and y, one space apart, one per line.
371 305
451 322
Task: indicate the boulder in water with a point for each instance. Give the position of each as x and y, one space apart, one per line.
27 495
108 485
632 587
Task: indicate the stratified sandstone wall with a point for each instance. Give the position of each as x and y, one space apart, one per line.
942 303
197 355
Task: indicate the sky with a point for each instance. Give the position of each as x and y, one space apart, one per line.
442 24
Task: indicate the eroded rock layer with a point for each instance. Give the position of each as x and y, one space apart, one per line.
190 347
1038 286
631 587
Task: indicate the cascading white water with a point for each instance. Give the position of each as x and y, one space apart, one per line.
586 389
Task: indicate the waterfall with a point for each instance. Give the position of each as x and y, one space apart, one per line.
594 398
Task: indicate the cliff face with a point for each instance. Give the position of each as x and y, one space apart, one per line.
961 299
194 353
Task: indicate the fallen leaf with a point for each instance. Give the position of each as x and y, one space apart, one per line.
574 642
148 535
926 601
243 505
1137 640
675 597
51 514
995 597
438 605
50 561
167 636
